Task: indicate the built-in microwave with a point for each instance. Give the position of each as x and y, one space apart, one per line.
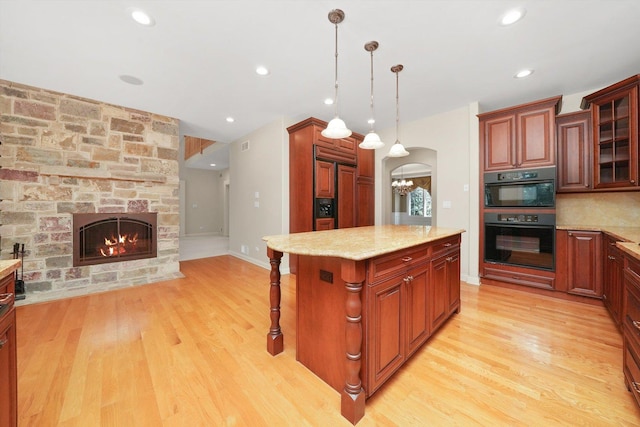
530 188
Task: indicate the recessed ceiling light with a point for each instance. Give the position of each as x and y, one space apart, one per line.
512 16
262 71
142 17
328 101
132 80
523 73
230 119
212 164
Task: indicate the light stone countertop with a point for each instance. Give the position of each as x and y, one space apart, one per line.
358 243
8 266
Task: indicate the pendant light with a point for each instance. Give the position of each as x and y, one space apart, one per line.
336 128
371 140
397 149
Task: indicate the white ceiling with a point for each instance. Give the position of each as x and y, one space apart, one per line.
198 61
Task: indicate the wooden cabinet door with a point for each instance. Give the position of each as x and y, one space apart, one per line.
499 142
453 280
612 286
365 206
536 138
325 179
439 298
574 151
386 330
615 140
325 224
417 304
8 370
346 196
584 263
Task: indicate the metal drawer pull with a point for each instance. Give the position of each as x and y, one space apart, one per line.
446 245
636 386
408 279
5 298
3 342
636 323
407 259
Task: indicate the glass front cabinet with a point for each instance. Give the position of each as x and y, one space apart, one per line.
615 134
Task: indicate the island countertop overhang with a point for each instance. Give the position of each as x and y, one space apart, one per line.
358 243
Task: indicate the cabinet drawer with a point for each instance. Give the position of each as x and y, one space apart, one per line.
7 284
633 267
519 278
632 372
388 265
632 307
445 246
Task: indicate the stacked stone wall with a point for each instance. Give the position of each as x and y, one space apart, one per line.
63 154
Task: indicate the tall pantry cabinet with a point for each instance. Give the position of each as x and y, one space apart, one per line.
331 181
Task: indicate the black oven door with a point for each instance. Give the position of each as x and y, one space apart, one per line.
521 195
522 245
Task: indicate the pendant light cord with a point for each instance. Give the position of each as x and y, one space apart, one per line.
335 101
372 111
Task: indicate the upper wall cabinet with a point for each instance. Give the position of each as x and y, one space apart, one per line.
614 112
519 137
573 132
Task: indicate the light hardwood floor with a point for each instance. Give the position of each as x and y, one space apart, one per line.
191 352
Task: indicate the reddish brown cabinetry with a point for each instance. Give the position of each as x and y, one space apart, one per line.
612 283
584 263
8 354
615 135
573 133
631 327
335 170
519 137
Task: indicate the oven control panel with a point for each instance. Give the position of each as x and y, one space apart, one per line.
518 218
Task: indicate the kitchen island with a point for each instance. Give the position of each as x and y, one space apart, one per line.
367 298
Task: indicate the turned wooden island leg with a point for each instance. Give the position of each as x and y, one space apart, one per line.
353 396
275 339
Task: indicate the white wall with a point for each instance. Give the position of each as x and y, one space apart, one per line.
259 176
203 204
453 151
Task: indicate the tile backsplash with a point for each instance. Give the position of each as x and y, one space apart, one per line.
620 209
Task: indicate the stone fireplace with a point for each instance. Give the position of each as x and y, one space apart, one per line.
62 155
113 237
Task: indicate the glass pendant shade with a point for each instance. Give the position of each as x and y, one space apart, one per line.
371 141
336 129
397 150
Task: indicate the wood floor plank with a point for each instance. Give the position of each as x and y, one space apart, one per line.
192 352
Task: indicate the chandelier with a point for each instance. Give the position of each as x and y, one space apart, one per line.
402 186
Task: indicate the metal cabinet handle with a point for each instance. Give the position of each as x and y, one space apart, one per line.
408 279
5 298
446 245
406 259
633 181
3 342
449 258
635 386
636 323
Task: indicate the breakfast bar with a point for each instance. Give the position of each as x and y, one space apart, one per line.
367 298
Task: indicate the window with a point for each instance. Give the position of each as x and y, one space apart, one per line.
419 203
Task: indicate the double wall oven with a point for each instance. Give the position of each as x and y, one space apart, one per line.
519 218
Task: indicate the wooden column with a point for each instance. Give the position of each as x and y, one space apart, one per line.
275 339
353 396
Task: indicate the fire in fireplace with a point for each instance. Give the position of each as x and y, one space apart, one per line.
100 238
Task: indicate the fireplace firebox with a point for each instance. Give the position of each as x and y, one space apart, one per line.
100 238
